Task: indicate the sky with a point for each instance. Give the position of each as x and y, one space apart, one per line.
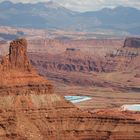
88 5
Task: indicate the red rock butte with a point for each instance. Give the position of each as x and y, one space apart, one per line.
18 56
132 42
30 110
16 69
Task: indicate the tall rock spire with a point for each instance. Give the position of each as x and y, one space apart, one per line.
17 58
18 55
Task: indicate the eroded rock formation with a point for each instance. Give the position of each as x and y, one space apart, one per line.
125 58
77 67
29 110
132 42
69 61
17 54
17 58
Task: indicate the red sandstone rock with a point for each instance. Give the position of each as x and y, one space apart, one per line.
29 110
75 67
17 58
18 54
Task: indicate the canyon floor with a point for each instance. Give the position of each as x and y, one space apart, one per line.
102 97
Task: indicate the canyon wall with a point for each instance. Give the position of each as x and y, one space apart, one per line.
75 66
56 46
74 57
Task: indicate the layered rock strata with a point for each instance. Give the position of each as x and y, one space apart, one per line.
132 42
30 110
124 59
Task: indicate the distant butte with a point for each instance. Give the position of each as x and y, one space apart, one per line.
132 42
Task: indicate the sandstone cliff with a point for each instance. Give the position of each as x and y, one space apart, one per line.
132 42
29 110
94 60
126 58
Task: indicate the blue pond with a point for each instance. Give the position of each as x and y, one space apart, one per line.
134 107
77 99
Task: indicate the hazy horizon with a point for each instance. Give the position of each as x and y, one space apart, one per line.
87 5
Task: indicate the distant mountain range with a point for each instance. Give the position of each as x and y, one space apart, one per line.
51 15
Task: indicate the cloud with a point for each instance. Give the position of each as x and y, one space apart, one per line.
88 5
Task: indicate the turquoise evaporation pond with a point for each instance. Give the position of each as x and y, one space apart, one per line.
134 107
77 99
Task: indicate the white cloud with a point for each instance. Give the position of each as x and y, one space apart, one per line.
87 5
